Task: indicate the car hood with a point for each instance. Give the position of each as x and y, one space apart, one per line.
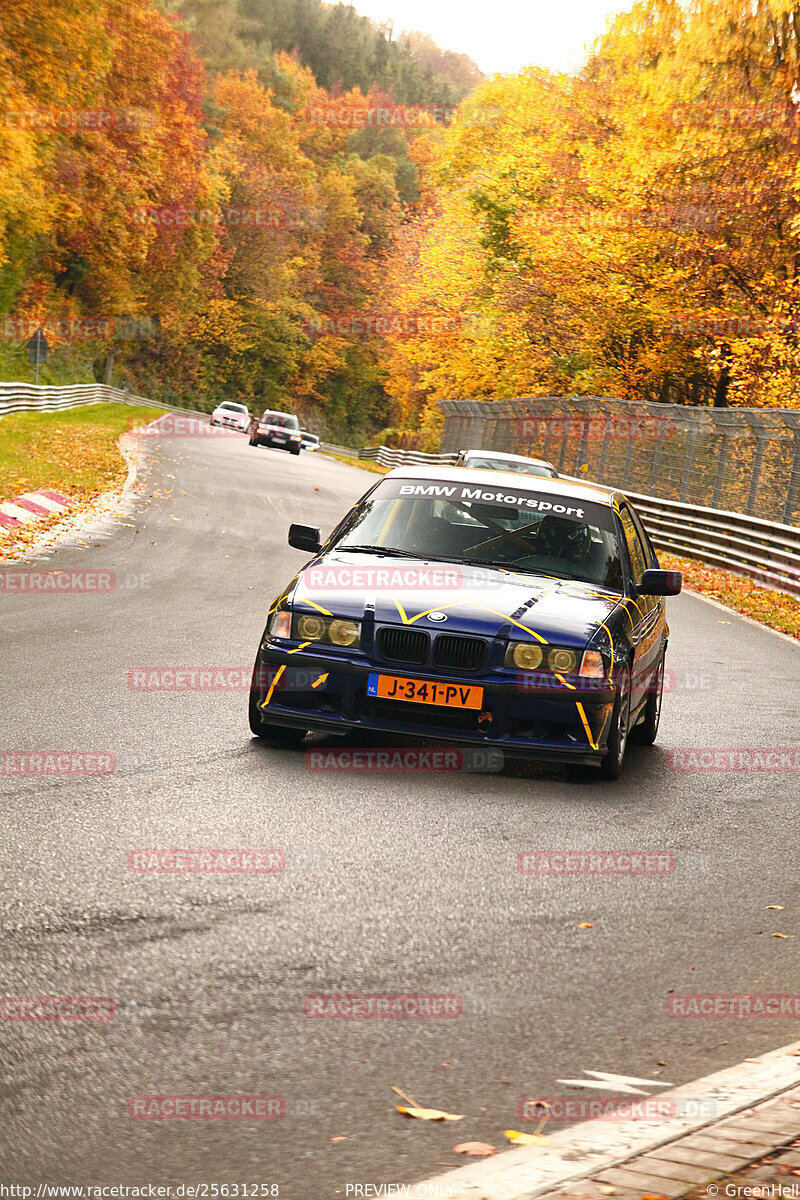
475 600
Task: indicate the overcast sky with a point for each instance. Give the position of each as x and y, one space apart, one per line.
503 35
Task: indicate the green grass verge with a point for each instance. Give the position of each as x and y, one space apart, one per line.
74 451
364 463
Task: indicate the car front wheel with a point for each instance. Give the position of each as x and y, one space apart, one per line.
611 764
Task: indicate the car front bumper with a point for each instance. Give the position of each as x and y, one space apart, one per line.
522 716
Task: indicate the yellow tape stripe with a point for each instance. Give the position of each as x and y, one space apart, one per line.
278 674
321 679
318 607
579 707
571 686
302 646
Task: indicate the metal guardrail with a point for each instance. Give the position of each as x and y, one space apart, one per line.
386 456
765 551
27 397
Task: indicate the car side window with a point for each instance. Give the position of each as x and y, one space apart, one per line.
636 550
651 559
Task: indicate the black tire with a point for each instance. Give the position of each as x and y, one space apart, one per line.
646 731
297 451
611 764
253 441
279 735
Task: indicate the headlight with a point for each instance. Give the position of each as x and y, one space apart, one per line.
281 625
310 629
337 631
562 661
523 655
344 633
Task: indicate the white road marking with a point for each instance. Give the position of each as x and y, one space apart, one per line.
617 1083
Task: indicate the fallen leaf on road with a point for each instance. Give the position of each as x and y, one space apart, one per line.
342 1137
606 1189
525 1139
475 1149
422 1114
585 925
428 1114
782 935
776 907
753 1060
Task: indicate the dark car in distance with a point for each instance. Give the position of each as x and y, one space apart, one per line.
278 429
516 613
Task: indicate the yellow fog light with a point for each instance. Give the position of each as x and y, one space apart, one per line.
344 633
562 661
525 656
310 629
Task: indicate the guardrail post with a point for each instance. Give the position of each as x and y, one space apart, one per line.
793 491
722 463
755 474
688 466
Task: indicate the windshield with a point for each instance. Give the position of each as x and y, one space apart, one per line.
228 406
282 420
519 468
463 523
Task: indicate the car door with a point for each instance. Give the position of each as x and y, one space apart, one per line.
646 612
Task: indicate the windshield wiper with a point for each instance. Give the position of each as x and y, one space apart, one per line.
387 550
390 551
510 566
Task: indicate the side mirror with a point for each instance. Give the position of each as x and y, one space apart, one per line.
305 537
660 583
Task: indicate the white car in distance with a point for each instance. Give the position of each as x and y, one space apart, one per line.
231 415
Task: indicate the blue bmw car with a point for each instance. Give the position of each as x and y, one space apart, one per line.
520 614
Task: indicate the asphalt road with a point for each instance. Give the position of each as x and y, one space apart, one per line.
393 883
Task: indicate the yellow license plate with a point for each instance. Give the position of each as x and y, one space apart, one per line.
424 691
